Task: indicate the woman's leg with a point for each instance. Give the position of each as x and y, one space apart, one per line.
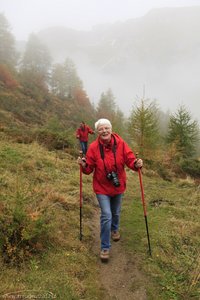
105 220
115 210
83 147
86 144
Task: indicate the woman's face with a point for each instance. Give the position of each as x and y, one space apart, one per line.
104 132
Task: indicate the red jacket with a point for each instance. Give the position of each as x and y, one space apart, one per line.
94 163
82 133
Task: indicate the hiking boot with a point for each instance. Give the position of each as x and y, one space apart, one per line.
104 255
115 235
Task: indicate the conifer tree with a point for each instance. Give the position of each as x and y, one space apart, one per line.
8 54
73 81
65 80
143 128
183 132
35 64
106 107
119 124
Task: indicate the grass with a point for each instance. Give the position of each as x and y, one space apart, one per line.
173 221
47 184
44 187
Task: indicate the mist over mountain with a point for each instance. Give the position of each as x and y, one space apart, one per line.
159 51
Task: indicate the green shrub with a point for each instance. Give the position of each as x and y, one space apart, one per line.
191 167
160 168
22 234
10 155
54 135
52 140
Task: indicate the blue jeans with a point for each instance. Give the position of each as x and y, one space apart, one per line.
83 147
110 217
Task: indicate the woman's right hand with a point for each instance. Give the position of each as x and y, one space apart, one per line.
81 161
138 163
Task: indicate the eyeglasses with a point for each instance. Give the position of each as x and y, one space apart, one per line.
102 129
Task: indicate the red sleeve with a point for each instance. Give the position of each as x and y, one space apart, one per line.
130 157
78 132
90 162
90 130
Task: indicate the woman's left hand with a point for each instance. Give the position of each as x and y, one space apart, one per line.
81 161
138 163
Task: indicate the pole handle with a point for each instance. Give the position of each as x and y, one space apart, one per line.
137 155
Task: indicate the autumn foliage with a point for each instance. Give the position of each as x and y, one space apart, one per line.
6 78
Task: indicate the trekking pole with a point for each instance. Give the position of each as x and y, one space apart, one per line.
144 206
81 197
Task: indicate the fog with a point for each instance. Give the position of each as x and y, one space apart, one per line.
26 16
175 85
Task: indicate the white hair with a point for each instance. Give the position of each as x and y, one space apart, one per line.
102 122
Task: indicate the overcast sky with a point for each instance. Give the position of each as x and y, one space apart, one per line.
27 16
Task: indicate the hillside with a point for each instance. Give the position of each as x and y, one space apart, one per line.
40 216
41 254
43 117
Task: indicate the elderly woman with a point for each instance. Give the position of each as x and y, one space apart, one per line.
106 158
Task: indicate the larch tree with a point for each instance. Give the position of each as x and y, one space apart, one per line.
143 128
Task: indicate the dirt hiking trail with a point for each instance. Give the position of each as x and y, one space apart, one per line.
119 277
